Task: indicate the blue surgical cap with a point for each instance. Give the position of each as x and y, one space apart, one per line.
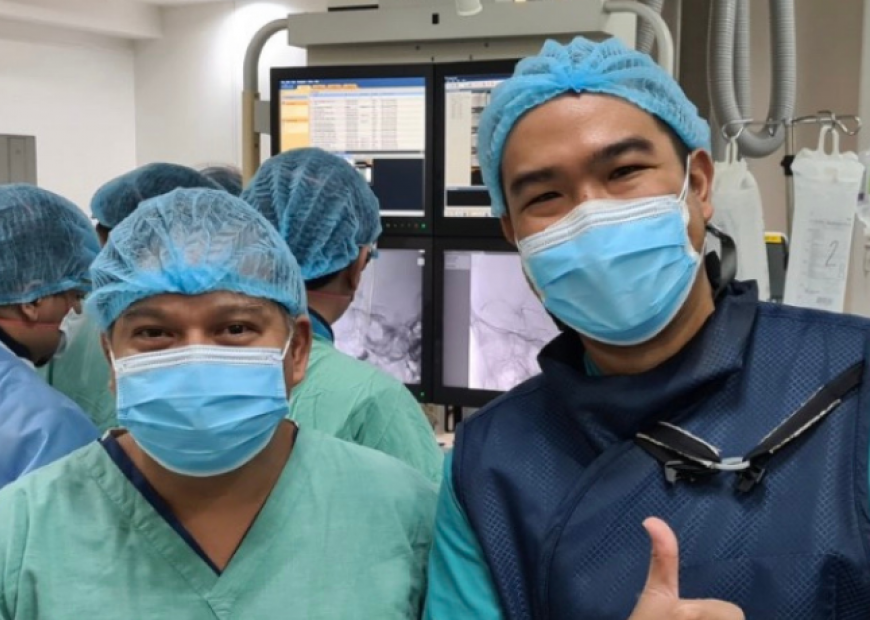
321 205
46 245
118 198
191 242
227 177
608 68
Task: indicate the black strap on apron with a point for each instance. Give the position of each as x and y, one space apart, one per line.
721 270
688 458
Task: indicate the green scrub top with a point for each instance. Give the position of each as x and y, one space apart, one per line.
355 401
345 533
82 373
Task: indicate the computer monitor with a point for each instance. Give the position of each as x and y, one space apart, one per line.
377 117
490 326
462 91
389 323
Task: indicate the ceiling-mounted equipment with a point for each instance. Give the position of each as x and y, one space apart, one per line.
434 23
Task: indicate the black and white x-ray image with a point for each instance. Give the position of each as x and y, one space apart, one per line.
509 325
493 325
384 324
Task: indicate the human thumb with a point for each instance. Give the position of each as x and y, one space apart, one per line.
663 579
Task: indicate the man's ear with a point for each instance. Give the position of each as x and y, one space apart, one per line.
30 310
296 362
354 271
701 181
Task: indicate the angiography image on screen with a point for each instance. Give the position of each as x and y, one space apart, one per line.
494 326
384 324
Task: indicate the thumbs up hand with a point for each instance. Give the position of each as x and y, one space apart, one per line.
660 599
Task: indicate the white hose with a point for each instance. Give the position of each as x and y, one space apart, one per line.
664 40
645 33
722 78
742 62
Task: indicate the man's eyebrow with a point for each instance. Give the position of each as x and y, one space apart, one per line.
524 179
144 312
236 307
602 157
221 308
633 144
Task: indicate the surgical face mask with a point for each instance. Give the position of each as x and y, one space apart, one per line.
615 271
202 410
65 330
70 325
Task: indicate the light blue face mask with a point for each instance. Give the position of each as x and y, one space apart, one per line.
616 271
202 410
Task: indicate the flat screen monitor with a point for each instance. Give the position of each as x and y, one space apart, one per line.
490 325
463 90
378 118
388 323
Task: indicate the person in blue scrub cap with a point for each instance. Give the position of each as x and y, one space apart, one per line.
672 391
46 248
116 200
208 502
227 177
81 372
330 218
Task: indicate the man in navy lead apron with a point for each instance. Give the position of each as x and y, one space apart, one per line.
672 391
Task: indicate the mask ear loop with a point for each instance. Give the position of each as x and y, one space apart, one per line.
684 194
287 344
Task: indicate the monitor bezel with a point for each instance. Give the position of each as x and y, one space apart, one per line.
392 226
458 226
444 394
422 391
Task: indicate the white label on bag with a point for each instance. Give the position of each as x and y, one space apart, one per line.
826 192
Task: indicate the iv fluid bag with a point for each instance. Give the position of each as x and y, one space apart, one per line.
737 212
826 189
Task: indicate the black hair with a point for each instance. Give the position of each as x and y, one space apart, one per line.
319 283
680 148
103 232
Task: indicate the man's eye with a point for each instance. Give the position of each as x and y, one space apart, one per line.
237 329
542 198
625 171
150 332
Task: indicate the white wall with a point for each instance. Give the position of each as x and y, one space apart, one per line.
75 93
189 83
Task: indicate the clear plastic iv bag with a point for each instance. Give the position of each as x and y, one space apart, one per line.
737 211
826 189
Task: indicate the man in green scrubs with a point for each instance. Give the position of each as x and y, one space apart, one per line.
329 217
210 503
81 372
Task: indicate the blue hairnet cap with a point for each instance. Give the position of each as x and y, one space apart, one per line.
608 68
321 205
118 198
46 245
191 242
229 178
